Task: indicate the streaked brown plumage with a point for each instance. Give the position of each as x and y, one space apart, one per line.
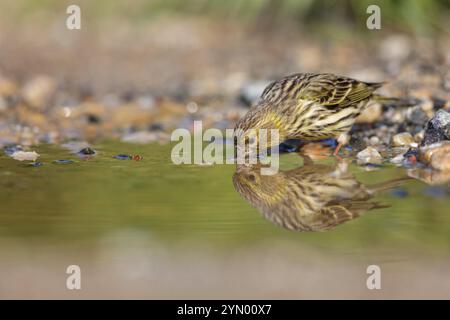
309 107
309 198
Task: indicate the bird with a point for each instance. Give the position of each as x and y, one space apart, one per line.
308 107
312 197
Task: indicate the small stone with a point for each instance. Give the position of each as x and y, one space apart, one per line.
396 47
411 156
86 152
374 140
436 155
416 115
9 150
369 156
25 155
437 129
447 105
123 157
156 127
357 143
36 164
402 139
418 137
38 92
398 159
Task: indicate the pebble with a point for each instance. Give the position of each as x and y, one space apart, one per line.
86 152
25 155
418 137
35 164
416 115
374 140
357 143
402 139
38 91
369 155
9 150
411 156
398 159
436 155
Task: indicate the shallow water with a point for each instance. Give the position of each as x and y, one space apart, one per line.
151 229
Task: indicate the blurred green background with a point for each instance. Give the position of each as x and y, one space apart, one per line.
417 16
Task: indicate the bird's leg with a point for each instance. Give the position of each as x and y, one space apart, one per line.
336 151
342 140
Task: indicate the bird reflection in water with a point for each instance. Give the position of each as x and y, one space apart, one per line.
313 197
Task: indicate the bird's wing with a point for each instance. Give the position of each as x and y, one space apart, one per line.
326 89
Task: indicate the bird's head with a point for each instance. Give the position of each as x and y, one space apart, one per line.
257 131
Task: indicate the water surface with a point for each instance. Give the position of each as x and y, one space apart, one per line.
146 229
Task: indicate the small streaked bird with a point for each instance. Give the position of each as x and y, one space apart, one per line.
308 107
312 197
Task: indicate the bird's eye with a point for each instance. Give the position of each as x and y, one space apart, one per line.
252 177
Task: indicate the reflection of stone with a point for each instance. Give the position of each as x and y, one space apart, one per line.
431 177
309 198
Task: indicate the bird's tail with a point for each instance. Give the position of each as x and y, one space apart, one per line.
395 102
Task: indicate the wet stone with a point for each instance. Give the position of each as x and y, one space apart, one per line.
35 164
11 149
93 119
369 156
156 127
437 129
402 139
86 152
417 116
411 156
437 155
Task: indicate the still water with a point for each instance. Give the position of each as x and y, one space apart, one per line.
151 229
